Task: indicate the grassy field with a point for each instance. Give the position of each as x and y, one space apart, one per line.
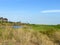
29 34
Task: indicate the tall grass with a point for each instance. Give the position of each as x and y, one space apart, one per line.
30 35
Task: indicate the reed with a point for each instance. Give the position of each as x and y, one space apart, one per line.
30 35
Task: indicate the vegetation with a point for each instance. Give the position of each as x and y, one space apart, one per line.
29 34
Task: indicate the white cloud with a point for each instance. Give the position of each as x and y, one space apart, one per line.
50 11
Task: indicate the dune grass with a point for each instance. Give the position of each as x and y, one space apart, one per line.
30 35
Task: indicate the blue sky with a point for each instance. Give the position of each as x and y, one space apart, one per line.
31 11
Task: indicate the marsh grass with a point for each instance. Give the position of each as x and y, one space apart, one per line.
30 35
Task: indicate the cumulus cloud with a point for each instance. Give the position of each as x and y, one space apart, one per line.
50 11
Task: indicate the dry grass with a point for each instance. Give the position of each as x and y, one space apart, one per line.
27 36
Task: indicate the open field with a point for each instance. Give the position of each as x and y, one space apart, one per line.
30 34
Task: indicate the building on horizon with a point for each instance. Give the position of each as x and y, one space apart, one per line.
3 19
